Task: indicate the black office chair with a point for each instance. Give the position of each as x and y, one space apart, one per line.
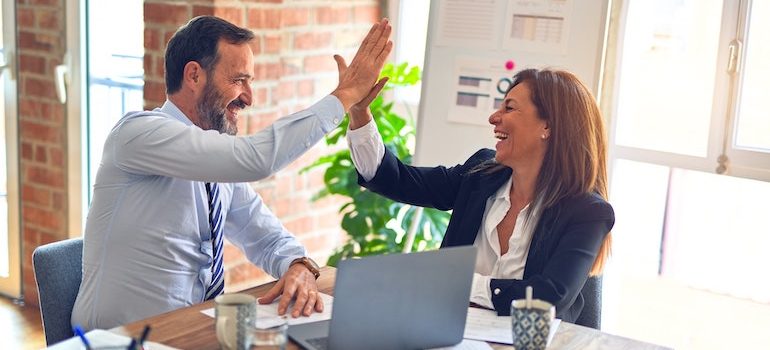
591 316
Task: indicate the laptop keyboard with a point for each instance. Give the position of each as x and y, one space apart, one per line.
319 343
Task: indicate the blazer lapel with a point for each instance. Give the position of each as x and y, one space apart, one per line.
469 218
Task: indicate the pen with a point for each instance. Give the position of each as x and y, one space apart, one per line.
79 331
145 332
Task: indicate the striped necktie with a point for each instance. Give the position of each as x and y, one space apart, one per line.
216 225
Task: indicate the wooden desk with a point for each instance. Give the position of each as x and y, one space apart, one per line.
188 328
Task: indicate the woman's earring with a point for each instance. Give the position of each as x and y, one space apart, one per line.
543 136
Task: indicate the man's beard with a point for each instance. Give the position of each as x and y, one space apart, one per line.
212 115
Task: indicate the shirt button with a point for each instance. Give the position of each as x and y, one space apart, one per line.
497 291
336 120
307 144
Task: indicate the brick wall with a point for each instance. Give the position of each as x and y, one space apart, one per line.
42 132
294 68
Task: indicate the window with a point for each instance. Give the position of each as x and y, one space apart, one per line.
686 111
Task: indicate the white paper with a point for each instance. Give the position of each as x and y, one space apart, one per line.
467 23
467 344
267 315
101 338
540 26
479 89
483 324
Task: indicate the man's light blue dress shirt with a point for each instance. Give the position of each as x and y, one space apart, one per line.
147 245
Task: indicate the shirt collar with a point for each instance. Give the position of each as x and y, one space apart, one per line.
171 109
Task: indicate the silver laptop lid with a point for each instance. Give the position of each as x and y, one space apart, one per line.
402 301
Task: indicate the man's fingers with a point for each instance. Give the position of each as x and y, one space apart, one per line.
367 42
383 55
373 92
382 41
312 296
341 65
288 294
272 293
299 304
319 305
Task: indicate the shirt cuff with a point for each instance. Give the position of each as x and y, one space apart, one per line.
285 264
480 293
366 149
330 111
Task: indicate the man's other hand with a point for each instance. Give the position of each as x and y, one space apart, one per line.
297 284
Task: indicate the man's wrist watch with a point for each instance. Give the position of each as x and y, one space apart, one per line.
310 264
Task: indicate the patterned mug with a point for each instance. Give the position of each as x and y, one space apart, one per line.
235 317
531 325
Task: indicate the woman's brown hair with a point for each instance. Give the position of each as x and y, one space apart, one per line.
575 162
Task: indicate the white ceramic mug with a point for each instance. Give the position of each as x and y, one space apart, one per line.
235 317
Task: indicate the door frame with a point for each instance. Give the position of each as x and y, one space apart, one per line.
11 285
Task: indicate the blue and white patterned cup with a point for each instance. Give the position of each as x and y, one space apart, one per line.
235 317
531 325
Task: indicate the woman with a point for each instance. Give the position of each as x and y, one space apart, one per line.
535 207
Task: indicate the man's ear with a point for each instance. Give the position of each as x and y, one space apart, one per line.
194 76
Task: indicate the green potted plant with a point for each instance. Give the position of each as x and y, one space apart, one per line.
376 225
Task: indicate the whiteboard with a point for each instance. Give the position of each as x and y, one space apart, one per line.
471 46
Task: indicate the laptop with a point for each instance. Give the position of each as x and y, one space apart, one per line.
399 301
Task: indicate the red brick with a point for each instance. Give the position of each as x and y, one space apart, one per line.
48 19
41 155
245 272
202 10
154 91
152 39
33 41
57 157
42 218
300 225
366 14
283 185
27 152
272 43
305 88
32 64
28 108
39 87
291 17
263 19
259 96
35 195
267 71
312 40
256 45
45 176
58 201
40 132
52 112
160 68
173 14
316 64
284 90
147 63
53 3
233 15
25 17
332 15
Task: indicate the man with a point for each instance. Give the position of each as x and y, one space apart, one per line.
171 182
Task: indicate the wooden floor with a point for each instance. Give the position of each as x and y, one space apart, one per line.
20 326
